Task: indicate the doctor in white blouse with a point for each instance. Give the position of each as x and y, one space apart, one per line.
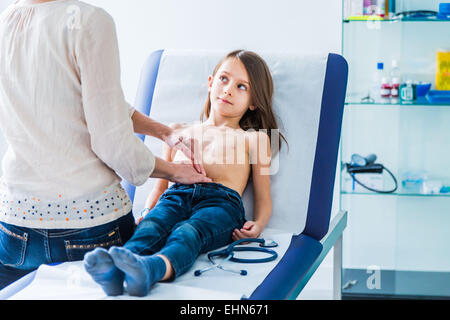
70 134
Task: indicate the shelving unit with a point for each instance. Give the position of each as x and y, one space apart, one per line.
397 245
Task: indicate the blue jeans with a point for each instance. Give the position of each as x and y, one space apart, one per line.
189 220
23 250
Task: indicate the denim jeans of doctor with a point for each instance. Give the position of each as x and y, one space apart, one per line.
23 250
189 220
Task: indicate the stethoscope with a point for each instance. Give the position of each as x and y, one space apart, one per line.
228 255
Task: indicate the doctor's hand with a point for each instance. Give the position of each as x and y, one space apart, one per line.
250 229
186 174
188 146
177 172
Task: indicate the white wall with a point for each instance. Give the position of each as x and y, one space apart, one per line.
4 4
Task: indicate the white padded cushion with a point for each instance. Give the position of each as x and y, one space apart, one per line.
180 94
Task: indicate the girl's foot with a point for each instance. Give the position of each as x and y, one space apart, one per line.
141 272
99 264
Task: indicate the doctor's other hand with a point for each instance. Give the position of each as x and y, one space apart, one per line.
250 229
177 172
186 174
189 147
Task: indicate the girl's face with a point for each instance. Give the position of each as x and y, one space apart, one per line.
230 90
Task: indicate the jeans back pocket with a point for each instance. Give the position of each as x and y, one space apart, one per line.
13 244
77 248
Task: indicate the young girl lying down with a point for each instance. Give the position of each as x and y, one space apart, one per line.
184 221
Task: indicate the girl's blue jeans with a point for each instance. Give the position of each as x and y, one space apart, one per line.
23 250
189 220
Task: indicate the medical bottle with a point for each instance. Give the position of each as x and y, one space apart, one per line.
381 8
368 7
395 80
375 88
385 89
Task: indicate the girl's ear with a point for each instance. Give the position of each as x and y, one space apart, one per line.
252 108
210 81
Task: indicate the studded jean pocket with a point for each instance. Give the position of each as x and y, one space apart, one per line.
77 248
13 245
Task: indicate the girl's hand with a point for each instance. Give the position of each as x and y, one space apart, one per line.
251 229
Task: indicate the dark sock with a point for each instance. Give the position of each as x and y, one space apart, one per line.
141 272
99 264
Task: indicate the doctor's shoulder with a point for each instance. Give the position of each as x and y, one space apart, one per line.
85 15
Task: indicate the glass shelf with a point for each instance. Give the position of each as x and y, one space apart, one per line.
418 102
396 284
401 194
434 19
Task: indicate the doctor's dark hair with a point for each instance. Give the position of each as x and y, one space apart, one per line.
261 93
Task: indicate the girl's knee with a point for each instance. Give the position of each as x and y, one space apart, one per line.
185 232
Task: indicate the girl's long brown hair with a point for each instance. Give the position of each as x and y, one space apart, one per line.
261 92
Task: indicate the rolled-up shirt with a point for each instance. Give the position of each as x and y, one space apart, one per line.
63 114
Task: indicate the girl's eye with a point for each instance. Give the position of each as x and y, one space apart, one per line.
223 78
242 87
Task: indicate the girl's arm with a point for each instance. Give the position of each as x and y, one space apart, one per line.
260 156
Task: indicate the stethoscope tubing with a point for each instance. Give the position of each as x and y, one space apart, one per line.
228 255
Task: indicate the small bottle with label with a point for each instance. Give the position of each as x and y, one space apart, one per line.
407 92
395 82
375 87
381 8
385 90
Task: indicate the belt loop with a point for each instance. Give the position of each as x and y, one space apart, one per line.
47 246
194 192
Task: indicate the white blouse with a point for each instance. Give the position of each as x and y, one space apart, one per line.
64 117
